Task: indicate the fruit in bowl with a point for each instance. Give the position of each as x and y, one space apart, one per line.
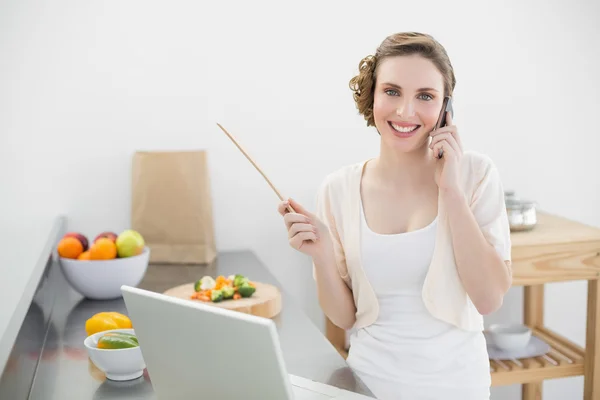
103 249
106 245
129 243
109 262
109 235
80 237
70 247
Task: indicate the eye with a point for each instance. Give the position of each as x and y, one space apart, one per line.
391 92
427 96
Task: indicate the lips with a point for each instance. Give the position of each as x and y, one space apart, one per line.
403 129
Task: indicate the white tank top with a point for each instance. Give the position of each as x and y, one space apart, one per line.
407 353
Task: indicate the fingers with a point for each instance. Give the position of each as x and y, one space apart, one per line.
449 128
298 240
299 208
282 208
448 138
299 227
294 218
298 223
446 147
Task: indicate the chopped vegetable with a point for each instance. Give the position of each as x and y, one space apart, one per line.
239 280
122 334
207 282
114 340
246 290
222 282
228 292
216 296
203 295
222 288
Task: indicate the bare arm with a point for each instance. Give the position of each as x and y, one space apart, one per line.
485 276
310 235
335 297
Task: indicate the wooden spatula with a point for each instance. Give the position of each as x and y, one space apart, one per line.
255 166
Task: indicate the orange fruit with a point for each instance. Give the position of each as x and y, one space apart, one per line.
84 256
103 249
69 247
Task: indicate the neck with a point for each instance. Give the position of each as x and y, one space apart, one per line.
412 168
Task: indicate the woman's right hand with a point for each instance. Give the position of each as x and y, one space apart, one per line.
306 233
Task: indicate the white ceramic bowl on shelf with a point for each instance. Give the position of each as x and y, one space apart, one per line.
510 336
102 279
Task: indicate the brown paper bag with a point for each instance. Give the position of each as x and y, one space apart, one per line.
172 206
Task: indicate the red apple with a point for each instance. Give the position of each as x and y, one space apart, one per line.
80 237
109 235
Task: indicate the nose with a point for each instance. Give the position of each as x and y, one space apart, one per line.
405 108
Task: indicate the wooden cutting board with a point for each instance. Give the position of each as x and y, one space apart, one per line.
264 302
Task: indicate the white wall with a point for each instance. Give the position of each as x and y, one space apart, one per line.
84 84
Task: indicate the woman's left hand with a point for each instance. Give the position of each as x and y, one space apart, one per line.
447 169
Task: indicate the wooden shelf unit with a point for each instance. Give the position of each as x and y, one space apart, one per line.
556 250
564 359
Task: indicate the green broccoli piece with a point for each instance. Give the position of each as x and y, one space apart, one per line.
228 292
239 280
246 290
216 296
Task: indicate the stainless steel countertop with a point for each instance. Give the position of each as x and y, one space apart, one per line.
49 358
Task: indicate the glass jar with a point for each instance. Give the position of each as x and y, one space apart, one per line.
522 214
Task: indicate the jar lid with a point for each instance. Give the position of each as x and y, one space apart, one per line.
514 202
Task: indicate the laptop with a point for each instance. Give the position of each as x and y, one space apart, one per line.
193 350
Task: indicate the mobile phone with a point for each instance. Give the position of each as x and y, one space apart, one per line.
441 122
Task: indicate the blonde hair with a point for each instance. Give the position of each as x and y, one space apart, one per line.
399 44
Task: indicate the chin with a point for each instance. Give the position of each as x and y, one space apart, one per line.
404 143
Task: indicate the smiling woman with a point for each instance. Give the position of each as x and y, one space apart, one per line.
410 249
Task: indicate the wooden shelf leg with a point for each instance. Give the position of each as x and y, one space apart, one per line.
591 389
533 315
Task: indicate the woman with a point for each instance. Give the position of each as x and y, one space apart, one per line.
410 250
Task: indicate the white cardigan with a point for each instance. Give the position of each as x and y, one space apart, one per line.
338 203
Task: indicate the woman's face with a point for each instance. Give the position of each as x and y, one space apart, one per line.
407 101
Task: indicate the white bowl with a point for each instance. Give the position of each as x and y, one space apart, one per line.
510 336
102 279
117 364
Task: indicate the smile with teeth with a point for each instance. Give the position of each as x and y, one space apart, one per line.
404 129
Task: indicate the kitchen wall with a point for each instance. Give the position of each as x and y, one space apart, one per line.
85 84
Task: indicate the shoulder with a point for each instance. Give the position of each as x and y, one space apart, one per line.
342 180
477 161
482 182
477 167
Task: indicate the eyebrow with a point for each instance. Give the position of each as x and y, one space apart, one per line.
418 90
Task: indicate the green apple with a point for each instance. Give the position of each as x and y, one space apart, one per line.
129 243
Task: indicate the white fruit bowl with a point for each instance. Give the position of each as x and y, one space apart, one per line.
102 279
117 364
